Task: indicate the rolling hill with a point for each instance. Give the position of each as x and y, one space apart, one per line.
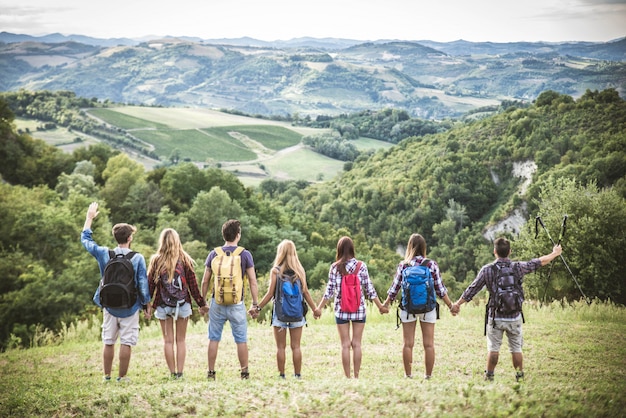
311 77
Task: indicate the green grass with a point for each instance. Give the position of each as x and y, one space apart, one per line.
198 145
271 137
363 144
124 121
575 364
303 164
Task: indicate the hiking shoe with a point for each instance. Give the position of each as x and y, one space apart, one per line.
106 379
519 376
178 375
488 376
245 374
122 379
297 376
211 375
281 376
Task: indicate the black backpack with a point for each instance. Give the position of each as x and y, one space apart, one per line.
507 294
117 287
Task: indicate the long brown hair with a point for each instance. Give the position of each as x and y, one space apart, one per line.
345 252
169 253
415 247
287 259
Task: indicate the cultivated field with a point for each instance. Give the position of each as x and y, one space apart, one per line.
253 149
574 356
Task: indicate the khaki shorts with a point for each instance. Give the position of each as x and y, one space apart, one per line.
513 330
127 329
430 317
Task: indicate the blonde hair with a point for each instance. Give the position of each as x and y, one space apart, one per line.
169 253
287 259
415 247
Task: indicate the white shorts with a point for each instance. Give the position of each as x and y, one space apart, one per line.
430 317
126 328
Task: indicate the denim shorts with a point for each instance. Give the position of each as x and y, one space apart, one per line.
513 330
430 317
183 311
340 321
235 314
281 324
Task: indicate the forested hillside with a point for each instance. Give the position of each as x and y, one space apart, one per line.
448 186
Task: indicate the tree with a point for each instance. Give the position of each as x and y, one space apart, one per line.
207 214
593 245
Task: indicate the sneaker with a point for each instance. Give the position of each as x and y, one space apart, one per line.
245 374
488 376
519 376
179 375
281 376
408 376
211 375
106 379
427 377
123 379
297 376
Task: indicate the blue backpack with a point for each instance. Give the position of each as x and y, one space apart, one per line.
418 289
288 300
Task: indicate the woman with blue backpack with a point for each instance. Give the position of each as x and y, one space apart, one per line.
289 290
173 282
420 281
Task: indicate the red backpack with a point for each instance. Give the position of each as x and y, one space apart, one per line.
351 291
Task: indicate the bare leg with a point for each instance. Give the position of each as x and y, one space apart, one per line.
518 361
213 346
242 354
492 361
280 335
108 352
428 340
295 335
167 329
125 351
357 335
181 345
344 336
408 333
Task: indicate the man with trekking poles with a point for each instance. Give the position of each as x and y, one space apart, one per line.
503 280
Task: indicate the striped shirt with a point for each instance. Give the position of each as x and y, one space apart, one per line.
333 289
487 277
440 289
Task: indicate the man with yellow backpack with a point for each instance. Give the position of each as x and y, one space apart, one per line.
229 266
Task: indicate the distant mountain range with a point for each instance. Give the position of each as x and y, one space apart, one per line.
309 75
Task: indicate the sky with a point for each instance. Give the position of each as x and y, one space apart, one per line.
367 20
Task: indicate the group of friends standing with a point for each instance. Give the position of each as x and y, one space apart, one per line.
171 258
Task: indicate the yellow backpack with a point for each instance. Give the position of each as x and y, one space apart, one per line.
229 283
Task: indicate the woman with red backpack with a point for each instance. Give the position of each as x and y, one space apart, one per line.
348 280
172 278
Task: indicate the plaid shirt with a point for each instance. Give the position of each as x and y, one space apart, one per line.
394 289
190 280
333 288
487 276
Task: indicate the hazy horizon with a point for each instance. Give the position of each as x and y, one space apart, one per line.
441 21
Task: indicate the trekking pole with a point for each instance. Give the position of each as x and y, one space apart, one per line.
538 221
563 226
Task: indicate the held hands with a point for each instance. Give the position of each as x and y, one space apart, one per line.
203 310
254 311
455 309
383 309
317 313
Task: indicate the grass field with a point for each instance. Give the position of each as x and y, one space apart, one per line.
575 364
